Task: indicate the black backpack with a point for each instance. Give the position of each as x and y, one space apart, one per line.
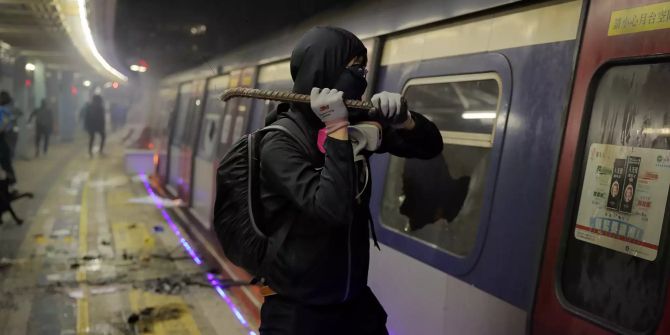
237 201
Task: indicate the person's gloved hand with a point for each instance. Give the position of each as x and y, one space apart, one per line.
391 109
328 106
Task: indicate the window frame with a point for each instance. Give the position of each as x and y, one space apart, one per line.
444 67
457 137
466 139
572 207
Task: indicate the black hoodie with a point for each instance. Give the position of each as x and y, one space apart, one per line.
325 257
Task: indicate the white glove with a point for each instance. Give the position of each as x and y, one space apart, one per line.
329 107
391 109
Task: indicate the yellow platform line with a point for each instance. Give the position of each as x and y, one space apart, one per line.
82 304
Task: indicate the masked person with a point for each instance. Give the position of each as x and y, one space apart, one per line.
318 280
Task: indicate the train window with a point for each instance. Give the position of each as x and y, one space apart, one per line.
614 269
438 201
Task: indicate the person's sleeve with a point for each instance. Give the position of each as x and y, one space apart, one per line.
424 141
326 195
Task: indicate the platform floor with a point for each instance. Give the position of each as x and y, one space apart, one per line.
95 255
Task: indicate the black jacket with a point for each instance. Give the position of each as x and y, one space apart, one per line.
325 257
94 117
43 119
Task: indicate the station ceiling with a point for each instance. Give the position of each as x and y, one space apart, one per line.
35 29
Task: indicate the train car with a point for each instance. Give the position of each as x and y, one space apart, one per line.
471 241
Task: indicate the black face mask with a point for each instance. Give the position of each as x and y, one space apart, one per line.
353 84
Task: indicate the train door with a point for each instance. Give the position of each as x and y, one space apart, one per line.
237 110
178 120
606 259
167 98
204 174
189 140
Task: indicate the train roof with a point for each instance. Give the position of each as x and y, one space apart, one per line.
367 19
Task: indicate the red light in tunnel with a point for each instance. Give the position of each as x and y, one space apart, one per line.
28 82
115 85
74 90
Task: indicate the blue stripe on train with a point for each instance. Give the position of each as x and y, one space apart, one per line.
511 247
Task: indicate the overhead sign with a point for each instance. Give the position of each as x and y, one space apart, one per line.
639 19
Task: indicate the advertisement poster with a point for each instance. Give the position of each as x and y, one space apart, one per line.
623 199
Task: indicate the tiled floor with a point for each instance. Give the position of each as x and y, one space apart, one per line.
96 256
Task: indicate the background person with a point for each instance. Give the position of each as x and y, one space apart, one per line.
6 125
43 125
94 122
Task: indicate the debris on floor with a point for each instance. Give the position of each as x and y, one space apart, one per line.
60 233
145 319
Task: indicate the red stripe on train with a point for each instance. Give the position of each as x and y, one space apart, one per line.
618 237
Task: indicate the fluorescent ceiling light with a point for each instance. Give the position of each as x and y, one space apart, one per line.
87 83
30 67
479 115
138 68
88 35
656 131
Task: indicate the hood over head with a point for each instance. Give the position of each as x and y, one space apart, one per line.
320 57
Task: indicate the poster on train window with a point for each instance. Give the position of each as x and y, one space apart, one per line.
623 199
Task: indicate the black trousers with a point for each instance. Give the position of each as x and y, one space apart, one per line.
363 315
39 135
6 159
91 137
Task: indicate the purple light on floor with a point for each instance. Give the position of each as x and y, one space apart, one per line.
169 221
190 251
222 293
212 280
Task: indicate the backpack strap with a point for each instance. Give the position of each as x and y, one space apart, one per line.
299 136
276 240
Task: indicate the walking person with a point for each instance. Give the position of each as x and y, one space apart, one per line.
43 125
317 283
7 119
94 122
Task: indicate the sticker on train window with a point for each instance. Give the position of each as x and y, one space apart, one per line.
623 199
